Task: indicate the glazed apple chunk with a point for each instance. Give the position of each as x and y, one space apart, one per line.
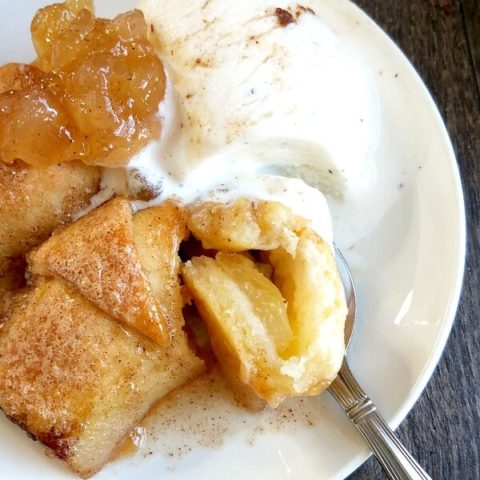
277 337
91 95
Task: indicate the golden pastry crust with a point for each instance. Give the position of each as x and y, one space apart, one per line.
33 202
158 233
70 374
98 256
244 225
76 380
267 357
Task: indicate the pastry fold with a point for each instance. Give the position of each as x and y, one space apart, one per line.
276 320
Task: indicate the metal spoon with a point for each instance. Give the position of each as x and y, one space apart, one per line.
392 455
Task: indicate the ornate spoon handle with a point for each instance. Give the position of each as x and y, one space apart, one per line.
392 455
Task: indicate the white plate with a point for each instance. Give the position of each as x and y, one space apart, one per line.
409 273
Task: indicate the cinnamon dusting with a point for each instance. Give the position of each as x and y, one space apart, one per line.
284 17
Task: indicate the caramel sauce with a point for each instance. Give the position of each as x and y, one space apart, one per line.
92 94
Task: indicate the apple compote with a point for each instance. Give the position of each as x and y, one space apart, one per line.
91 95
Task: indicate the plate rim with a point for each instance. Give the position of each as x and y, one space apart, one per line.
450 313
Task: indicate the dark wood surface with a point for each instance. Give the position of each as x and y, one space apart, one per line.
442 40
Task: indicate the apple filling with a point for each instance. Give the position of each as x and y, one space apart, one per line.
276 324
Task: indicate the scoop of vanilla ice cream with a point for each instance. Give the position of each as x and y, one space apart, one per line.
268 87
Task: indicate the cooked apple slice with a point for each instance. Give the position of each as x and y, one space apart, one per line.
246 317
77 380
98 256
280 339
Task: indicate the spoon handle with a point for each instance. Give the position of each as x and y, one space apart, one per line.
392 455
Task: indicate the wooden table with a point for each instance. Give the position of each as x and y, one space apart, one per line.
442 40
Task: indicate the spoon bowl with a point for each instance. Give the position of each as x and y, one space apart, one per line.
396 461
350 294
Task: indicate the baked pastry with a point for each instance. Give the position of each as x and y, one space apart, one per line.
76 380
281 336
29 211
158 233
98 255
80 360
